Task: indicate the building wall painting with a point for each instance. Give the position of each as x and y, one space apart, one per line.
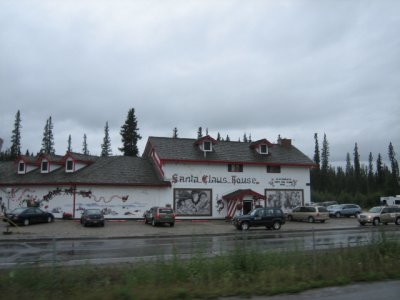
286 199
193 202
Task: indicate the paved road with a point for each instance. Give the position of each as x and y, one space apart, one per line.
385 290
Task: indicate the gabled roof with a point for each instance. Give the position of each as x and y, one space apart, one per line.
79 157
31 160
114 170
205 138
55 159
240 194
182 150
260 142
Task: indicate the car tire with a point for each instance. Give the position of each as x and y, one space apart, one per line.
397 221
276 226
362 223
337 215
356 215
290 218
322 221
153 223
171 224
145 220
311 220
26 222
375 222
245 226
102 224
49 219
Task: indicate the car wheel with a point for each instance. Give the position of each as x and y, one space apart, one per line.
397 221
356 215
172 224
337 215
26 222
290 218
102 224
49 219
145 220
322 221
153 222
245 226
362 223
268 227
375 222
311 220
276 226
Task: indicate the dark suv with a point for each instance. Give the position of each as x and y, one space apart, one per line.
160 215
269 217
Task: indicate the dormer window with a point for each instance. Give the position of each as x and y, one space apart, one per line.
21 167
69 165
45 166
207 146
263 149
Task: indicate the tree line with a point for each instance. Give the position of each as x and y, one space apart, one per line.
129 137
356 182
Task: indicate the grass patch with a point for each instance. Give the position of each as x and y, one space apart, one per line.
242 272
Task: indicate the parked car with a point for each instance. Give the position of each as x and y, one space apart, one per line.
160 215
380 214
92 216
310 214
27 216
344 210
269 217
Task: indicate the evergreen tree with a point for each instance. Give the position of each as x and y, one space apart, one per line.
199 132
349 167
227 138
357 167
394 182
324 164
69 148
130 135
317 159
250 138
175 133
245 138
48 138
218 137
27 153
370 172
315 172
380 177
16 137
207 131
85 149
106 146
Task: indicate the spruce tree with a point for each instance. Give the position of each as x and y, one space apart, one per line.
69 148
48 138
106 146
315 172
380 176
394 182
370 172
218 137
85 145
245 138
175 133
199 132
130 135
357 166
324 164
16 137
227 138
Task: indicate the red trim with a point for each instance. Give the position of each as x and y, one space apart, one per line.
169 160
261 142
205 138
166 184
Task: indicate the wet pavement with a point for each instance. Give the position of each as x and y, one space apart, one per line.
72 229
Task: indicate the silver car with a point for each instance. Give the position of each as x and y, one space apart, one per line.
380 214
344 210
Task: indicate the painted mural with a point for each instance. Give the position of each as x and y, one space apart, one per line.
193 202
286 199
114 203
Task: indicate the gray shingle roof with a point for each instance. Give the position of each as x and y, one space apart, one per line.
114 170
182 149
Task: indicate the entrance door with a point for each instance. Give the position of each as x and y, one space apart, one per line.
247 206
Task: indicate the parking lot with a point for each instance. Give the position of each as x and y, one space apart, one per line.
136 228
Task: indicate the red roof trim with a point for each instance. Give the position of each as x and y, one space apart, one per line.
261 142
168 160
239 195
166 184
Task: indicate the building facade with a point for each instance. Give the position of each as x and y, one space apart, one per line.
200 178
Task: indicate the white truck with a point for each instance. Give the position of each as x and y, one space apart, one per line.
391 200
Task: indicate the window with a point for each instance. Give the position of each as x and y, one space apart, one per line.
45 166
70 165
21 167
273 169
235 168
263 149
207 146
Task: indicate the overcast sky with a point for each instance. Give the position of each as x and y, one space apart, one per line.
264 68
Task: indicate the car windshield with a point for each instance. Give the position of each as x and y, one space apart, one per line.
93 211
375 209
335 206
18 210
165 211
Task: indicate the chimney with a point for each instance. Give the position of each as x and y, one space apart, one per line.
286 142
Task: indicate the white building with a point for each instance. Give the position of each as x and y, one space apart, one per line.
200 179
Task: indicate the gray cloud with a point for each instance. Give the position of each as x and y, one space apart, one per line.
262 67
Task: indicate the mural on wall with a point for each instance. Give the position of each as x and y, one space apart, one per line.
220 205
286 199
193 202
